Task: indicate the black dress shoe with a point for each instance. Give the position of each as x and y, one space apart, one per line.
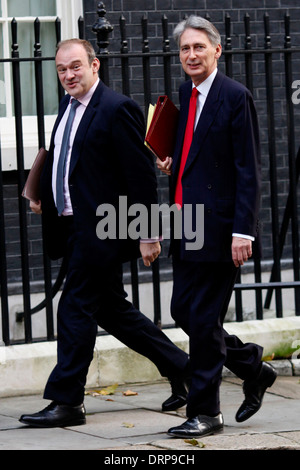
254 391
178 398
56 416
198 427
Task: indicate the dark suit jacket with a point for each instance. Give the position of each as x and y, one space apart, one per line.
223 166
109 159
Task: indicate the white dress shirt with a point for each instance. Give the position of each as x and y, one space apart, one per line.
84 101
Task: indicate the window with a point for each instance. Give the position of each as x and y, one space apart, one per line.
25 12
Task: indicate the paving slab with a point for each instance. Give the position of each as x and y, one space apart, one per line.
119 423
130 424
51 439
244 442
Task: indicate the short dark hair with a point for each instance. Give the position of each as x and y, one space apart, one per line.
82 42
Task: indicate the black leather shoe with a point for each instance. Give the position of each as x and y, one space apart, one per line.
56 416
254 391
198 427
178 398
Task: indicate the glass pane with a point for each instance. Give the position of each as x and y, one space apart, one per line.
31 7
48 42
2 86
2 93
27 70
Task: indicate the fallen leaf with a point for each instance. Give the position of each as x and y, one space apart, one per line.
128 425
129 393
194 442
110 390
269 358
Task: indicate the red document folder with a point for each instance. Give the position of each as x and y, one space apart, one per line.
161 134
31 189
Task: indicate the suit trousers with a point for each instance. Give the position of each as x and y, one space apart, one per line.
201 295
93 297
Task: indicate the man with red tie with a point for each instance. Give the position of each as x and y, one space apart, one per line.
216 163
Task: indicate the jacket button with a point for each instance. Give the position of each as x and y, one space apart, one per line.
209 186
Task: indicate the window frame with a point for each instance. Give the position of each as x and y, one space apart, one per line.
68 11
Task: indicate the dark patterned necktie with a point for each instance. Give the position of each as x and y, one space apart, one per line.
60 202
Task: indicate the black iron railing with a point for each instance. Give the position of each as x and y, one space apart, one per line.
125 61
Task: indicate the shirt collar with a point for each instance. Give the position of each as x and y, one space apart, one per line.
85 99
204 87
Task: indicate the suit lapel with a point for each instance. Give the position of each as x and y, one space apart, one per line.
80 136
210 109
84 125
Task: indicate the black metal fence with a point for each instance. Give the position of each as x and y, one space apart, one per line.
284 218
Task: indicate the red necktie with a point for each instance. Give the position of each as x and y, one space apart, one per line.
188 137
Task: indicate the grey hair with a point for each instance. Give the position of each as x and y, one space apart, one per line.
197 22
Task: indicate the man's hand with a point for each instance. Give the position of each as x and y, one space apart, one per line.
149 252
36 207
241 250
165 166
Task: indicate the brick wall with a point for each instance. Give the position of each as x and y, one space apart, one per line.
216 11
133 10
175 10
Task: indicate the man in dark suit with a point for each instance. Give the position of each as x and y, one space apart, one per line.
105 159
221 171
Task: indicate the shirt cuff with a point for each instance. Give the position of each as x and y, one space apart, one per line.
248 237
151 240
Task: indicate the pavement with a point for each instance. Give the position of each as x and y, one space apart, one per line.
129 420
